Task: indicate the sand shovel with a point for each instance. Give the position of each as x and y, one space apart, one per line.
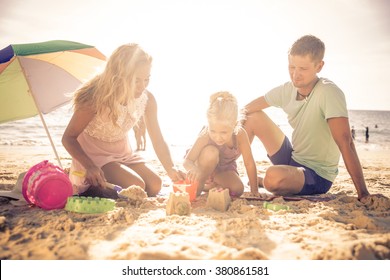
116 188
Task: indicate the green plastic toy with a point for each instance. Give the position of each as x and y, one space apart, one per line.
90 205
275 207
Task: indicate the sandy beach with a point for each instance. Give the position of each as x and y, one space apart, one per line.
338 227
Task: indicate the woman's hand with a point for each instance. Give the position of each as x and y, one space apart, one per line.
176 174
95 176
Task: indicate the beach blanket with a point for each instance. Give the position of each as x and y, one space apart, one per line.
166 190
313 198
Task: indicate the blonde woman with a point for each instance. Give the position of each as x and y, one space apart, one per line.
212 159
105 109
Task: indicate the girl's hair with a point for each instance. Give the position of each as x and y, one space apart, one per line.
116 84
309 45
223 108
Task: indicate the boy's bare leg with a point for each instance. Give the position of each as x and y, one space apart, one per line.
260 125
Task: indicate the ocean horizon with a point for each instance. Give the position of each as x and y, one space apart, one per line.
31 133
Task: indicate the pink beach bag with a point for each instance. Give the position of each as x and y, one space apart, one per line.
47 186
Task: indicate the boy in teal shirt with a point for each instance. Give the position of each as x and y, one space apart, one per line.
317 112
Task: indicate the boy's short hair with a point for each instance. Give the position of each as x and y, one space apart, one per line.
308 44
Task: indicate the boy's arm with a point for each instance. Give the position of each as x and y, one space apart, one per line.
340 130
256 105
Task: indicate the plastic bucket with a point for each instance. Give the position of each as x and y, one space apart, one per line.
186 186
46 186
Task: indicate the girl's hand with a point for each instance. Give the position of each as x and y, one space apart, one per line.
256 193
194 174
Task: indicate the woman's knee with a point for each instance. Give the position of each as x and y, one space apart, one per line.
138 182
122 175
153 187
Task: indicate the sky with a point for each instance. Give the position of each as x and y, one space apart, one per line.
203 46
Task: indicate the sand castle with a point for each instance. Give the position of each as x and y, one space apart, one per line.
135 194
218 199
179 204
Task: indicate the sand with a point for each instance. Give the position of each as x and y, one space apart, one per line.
337 228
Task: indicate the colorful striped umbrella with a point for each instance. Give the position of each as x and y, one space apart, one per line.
37 78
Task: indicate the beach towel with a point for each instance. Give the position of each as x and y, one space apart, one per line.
313 198
16 194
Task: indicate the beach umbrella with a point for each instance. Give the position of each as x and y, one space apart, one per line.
37 78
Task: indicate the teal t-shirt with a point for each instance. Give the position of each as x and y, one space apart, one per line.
312 141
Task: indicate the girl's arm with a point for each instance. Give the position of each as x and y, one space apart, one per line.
76 126
158 141
189 163
249 162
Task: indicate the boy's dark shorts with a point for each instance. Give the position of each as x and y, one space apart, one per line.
314 184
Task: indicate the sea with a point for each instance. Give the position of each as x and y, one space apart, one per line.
30 133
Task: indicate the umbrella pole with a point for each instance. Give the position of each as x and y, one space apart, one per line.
51 140
41 116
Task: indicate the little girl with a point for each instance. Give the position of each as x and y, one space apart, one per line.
212 159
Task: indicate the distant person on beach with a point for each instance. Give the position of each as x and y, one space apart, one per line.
105 109
317 112
140 134
353 133
212 159
367 134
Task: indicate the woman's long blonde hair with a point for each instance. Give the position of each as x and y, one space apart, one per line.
224 108
116 84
